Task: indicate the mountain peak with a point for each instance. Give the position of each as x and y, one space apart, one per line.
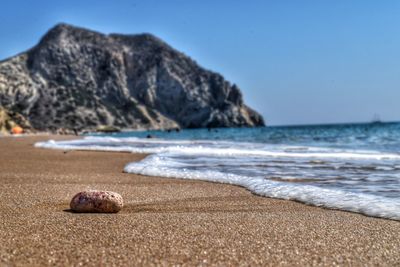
65 27
81 79
68 31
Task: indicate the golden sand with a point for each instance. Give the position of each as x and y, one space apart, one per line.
167 221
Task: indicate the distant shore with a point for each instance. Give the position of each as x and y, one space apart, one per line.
166 221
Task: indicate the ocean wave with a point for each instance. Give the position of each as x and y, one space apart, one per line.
138 145
157 165
354 180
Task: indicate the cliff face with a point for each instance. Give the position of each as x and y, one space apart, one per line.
80 79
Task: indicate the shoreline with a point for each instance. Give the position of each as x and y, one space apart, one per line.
166 220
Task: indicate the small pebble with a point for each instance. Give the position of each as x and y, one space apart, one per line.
97 201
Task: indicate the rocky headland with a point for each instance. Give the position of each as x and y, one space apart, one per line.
77 79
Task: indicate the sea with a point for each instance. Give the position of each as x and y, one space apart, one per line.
351 167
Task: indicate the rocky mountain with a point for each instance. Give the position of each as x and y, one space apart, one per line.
81 79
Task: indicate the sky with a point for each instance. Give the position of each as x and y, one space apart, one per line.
296 61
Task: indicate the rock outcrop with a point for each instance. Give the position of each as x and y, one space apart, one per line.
10 119
80 79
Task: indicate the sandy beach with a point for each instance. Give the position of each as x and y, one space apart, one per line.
166 221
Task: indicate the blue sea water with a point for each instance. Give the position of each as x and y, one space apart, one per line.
353 167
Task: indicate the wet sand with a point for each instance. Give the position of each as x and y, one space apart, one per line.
167 221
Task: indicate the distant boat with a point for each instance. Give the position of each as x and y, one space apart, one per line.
376 119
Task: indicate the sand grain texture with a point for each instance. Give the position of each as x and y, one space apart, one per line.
167 221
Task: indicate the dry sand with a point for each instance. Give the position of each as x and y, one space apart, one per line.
167 221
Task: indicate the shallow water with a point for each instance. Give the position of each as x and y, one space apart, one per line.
353 167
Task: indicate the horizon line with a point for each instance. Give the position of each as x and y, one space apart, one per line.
332 123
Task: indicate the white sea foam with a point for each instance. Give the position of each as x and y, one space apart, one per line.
137 145
158 165
352 180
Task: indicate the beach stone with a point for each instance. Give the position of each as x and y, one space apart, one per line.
97 201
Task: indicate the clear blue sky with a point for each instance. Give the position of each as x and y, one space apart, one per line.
297 62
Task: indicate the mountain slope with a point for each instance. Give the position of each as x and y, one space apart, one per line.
80 79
